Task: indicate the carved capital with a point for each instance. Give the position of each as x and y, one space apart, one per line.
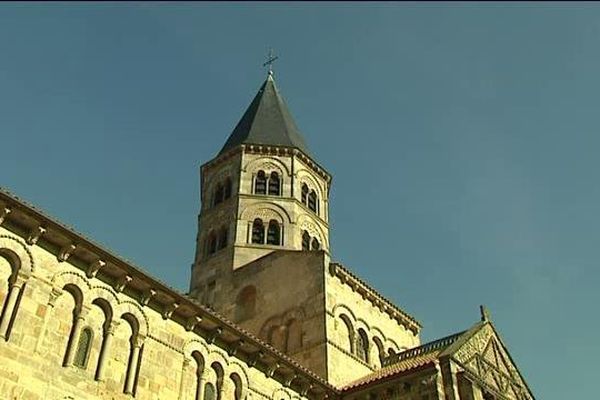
35 234
169 309
94 267
138 341
112 327
54 295
66 251
121 282
147 296
191 322
4 213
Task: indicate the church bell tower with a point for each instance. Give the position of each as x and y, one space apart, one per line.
262 193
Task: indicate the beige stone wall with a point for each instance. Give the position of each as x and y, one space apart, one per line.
31 360
287 309
347 312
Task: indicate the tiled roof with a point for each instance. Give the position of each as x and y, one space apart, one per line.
267 121
405 361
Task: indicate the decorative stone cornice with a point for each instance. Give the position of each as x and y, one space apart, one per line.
91 257
4 211
94 268
370 294
66 251
121 282
191 322
35 235
169 309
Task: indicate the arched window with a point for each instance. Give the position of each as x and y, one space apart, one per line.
211 247
258 231
260 183
209 392
245 303
223 234
362 345
83 349
304 194
237 386
380 349
305 241
349 332
227 189
312 201
274 233
218 196
274 184
220 375
315 244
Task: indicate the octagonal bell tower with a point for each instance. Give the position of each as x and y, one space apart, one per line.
262 193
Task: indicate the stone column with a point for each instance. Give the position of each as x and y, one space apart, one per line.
200 387
182 382
136 344
9 309
109 333
76 332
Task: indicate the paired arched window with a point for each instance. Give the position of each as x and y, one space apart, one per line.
273 232
222 192
362 345
309 243
309 198
270 184
217 240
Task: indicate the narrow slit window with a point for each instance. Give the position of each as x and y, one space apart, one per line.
83 348
258 231
274 233
305 241
223 238
218 198
260 183
227 189
315 245
312 201
304 195
274 184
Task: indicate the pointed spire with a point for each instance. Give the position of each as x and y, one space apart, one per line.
267 121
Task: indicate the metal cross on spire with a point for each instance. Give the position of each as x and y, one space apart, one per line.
270 60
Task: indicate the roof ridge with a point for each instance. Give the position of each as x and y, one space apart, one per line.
422 349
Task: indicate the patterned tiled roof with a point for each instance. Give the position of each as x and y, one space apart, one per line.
408 360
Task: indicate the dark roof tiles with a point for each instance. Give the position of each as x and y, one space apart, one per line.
267 121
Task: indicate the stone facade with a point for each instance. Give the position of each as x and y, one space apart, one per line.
268 316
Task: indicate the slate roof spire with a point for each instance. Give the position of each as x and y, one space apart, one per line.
267 121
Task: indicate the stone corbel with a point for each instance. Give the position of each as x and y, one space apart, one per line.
35 235
66 251
4 213
255 358
191 322
169 310
121 282
210 339
234 347
147 296
94 268
305 389
272 369
289 379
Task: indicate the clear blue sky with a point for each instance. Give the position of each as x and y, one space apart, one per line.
463 140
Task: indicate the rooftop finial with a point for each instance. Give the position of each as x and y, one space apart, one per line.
270 60
485 313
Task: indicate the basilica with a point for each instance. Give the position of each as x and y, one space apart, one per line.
269 313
